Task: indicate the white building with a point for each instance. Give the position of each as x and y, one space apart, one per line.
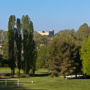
49 33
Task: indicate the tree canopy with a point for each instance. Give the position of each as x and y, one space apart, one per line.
63 55
85 56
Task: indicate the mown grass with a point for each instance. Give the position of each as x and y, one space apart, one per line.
5 70
59 83
49 83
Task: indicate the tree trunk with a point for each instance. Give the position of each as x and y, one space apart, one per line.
33 71
19 72
12 72
65 77
26 72
76 75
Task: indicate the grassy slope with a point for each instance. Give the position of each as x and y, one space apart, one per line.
48 83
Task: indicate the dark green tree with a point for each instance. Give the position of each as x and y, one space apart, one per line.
1 60
11 57
62 55
28 43
34 56
83 32
18 44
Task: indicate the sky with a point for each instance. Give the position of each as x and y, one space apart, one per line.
47 14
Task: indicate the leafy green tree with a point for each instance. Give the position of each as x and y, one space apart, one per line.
11 57
5 52
18 44
28 43
42 58
34 56
3 36
83 32
62 55
41 40
85 56
68 32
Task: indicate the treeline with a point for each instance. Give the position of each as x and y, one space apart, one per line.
66 53
19 49
20 42
69 52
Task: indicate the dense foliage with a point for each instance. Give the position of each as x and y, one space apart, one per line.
85 56
28 44
26 49
63 55
42 58
11 36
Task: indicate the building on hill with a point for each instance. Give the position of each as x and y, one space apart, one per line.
43 32
49 33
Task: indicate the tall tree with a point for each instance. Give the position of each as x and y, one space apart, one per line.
18 44
28 43
11 27
85 56
62 55
83 32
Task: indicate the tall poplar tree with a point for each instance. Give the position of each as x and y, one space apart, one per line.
28 43
18 44
11 27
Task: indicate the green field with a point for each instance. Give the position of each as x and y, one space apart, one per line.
49 83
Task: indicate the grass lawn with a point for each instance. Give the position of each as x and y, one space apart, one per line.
49 83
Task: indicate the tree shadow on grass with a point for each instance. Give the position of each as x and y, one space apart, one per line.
19 88
40 75
14 86
8 75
